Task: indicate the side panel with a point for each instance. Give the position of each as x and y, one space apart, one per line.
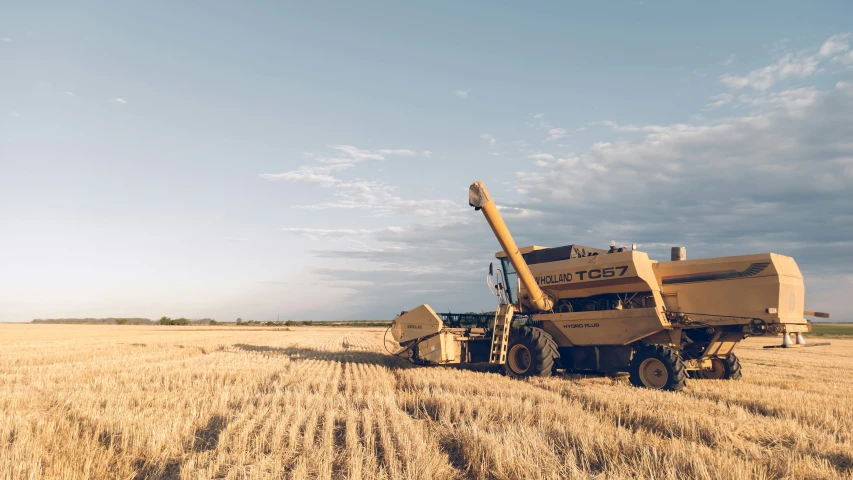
602 327
416 323
791 300
724 345
713 289
442 349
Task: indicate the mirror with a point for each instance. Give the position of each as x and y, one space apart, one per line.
491 269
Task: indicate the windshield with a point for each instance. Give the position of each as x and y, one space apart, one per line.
511 281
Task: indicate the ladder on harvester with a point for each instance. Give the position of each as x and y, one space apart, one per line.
500 333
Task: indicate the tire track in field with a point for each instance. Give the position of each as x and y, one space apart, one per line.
364 433
797 389
809 410
484 412
706 423
404 447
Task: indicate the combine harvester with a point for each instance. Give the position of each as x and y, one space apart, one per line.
592 310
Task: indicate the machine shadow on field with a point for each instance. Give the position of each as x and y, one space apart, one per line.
350 355
393 362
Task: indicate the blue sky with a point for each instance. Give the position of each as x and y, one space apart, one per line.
312 161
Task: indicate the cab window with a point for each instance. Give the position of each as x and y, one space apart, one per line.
511 281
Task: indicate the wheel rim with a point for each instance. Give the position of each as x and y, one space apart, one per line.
716 372
519 359
653 373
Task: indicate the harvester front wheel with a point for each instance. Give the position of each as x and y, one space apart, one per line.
531 353
658 367
727 368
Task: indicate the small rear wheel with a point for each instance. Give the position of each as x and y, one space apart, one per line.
658 367
531 353
726 368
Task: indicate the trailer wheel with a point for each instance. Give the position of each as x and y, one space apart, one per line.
727 368
531 353
658 367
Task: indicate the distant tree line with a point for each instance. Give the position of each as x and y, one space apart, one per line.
97 321
173 321
259 323
185 321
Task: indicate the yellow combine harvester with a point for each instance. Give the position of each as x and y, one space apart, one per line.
595 310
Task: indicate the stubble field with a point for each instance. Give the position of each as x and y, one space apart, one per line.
226 402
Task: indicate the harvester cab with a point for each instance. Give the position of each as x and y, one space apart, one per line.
613 310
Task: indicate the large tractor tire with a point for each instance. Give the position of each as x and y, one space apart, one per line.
531 353
727 368
658 367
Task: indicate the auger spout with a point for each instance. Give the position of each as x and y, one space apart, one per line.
479 198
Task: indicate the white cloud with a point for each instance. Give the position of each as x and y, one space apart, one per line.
380 198
793 100
373 196
401 152
796 146
718 101
120 100
463 94
357 154
427 153
616 127
518 212
5 39
834 45
556 133
347 156
313 174
541 156
764 78
791 65
846 59
489 138
14 114
729 60
70 94
329 233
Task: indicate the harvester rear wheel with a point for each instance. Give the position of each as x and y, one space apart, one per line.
658 367
727 368
531 353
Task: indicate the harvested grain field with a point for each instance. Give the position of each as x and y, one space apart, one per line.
226 402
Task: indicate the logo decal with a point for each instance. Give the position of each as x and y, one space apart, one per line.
592 274
580 325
